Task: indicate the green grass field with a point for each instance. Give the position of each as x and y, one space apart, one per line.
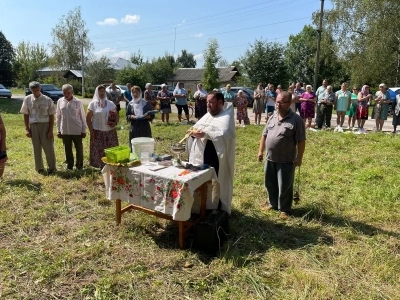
59 240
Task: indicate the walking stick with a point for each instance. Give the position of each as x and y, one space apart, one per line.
296 196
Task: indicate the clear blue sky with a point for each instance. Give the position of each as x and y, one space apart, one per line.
119 28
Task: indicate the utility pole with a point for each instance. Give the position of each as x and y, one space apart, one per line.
174 42
83 71
321 15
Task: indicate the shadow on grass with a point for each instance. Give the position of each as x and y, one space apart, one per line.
37 187
313 212
248 235
77 174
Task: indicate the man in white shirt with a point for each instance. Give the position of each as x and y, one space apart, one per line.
39 111
71 126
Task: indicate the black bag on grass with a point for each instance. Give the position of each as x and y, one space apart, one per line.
210 233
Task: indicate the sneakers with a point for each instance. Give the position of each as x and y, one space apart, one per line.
338 129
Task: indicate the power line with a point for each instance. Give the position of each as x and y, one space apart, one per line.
213 34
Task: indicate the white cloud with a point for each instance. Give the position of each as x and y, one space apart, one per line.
198 57
123 54
181 23
104 51
199 35
130 19
108 21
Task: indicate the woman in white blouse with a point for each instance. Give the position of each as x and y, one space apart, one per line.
101 119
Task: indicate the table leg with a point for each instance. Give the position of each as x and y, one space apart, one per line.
118 212
203 191
181 234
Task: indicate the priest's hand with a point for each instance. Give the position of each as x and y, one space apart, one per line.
198 134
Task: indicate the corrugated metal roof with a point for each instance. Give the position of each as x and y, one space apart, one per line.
77 73
196 74
118 63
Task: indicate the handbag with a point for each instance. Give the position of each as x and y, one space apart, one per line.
246 121
212 232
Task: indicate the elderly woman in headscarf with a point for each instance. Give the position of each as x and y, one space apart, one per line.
149 96
241 108
137 114
200 108
101 119
364 98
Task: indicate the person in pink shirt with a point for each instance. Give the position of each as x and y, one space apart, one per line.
307 100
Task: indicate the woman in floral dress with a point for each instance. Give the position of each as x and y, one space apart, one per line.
101 119
241 108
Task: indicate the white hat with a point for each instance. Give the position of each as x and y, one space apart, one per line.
147 85
163 85
382 85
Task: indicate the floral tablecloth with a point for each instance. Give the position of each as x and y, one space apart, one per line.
170 190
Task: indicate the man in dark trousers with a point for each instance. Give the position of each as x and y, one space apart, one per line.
284 138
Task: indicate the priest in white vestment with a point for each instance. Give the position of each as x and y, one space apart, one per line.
214 144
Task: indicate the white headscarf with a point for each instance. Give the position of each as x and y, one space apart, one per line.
138 104
100 101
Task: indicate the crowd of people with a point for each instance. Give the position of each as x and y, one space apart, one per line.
283 136
316 108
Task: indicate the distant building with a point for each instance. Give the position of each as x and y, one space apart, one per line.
117 63
190 77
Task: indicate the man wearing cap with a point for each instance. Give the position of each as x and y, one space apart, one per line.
213 143
284 138
180 95
39 111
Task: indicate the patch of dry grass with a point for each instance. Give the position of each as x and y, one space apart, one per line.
59 240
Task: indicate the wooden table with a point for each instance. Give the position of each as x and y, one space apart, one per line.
167 193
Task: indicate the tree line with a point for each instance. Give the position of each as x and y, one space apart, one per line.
360 44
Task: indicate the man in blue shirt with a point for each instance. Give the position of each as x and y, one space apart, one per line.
181 95
128 94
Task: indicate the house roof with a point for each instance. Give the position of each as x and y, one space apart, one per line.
77 73
196 74
118 63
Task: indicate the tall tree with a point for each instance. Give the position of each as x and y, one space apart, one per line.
211 56
300 57
368 36
137 58
99 70
69 36
29 58
7 57
186 60
264 62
